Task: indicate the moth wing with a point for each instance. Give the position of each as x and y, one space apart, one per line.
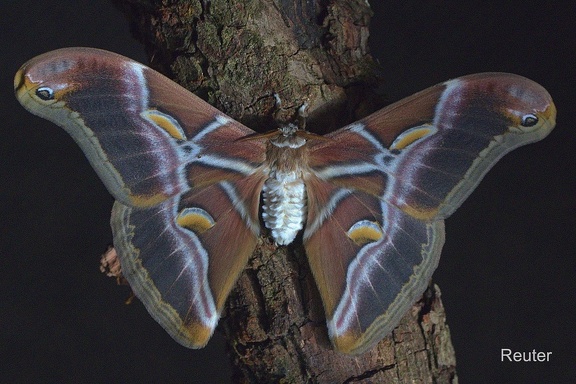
370 260
139 130
183 256
187 189
381 187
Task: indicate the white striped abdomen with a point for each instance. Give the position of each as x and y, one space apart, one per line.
284 205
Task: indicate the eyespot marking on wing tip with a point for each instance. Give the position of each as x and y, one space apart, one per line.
166 122
195 219
411 136
364 232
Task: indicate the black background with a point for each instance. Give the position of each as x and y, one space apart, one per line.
508 267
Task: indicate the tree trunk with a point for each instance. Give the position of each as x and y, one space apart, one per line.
237 55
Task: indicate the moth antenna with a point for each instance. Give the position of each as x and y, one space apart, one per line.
302 116
277 106
278 100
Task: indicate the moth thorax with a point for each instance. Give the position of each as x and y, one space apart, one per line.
284 205
288 137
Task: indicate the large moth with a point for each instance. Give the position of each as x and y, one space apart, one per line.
194 188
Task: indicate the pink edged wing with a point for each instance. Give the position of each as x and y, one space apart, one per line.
380 189
187 190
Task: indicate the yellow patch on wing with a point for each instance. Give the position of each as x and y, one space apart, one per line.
411 135
166 122
198 335
195 219
147 201
364 232
421 214
347 342
19 80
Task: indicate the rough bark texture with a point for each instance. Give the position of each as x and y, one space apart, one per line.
237 54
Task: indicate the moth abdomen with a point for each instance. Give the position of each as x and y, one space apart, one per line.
284 206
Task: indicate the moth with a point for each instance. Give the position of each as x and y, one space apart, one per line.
194 188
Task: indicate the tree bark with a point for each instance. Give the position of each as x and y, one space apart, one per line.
237 55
